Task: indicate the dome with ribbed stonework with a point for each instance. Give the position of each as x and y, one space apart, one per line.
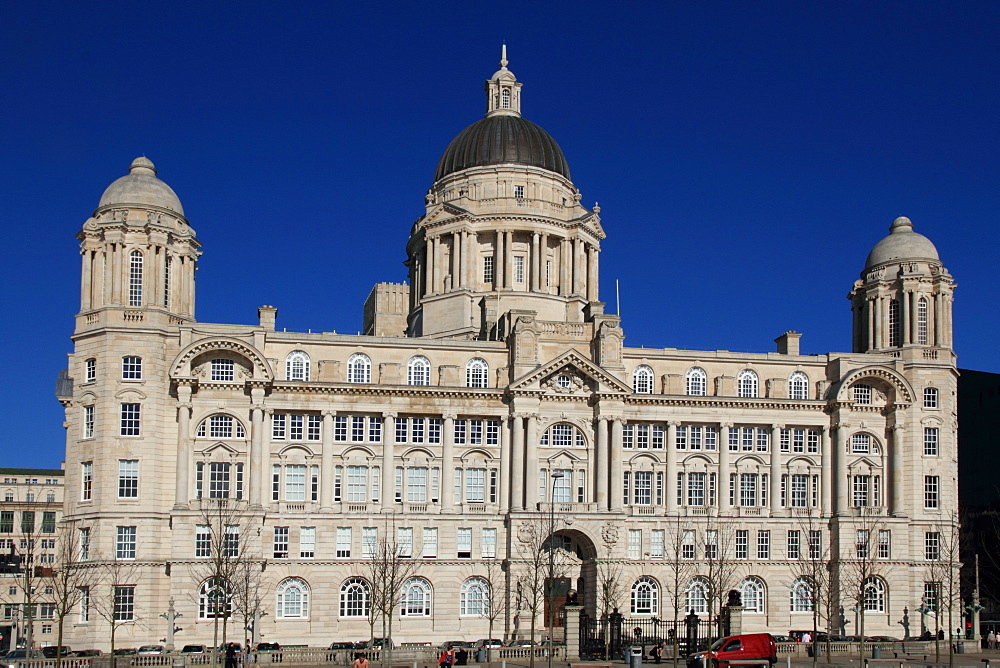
502 139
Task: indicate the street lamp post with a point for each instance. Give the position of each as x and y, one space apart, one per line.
556 475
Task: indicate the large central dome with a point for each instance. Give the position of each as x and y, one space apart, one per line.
502 139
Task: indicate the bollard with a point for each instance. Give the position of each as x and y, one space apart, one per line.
788 660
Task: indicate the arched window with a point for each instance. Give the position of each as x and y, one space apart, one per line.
562 435
697 595
418 371
297 366
359 368
215 599
798 386
355 598
642 380
90 370
874 589
752 592
894 338
416 600
505 99
475 598
221 426
477 372
135 278
293 599
922 321
801 595
746 384
645 596
697 382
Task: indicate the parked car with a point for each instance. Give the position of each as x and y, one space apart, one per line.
737 648
15 656
194 649
375 643
268 647
489 643
455 644
342 645
151 649
125 651
521 642
51 651
88 652
222 647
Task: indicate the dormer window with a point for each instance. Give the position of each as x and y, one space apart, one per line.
505 99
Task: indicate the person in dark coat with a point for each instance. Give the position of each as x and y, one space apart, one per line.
231 655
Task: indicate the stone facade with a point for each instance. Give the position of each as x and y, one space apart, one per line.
489 396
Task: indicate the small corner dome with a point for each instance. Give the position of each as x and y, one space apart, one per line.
141 188
902 244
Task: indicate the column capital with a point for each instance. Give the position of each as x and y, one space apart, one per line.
389 414
777 425
185 404
899 426
604 418
258 407
329 413
449 416
674 423
726 425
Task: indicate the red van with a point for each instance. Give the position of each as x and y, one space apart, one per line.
746 647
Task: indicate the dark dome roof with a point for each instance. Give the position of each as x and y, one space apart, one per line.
499 139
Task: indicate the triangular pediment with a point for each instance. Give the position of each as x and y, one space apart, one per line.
584 376
444 211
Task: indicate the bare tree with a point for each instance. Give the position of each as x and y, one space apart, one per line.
248 590
679 552
535 556
113 595
861 566
943 592
611 586
72 577
721 565
494 606
390 565
812 584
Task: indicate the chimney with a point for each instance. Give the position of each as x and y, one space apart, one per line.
268 316
788 343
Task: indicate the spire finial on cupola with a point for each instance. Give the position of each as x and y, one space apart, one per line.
503 92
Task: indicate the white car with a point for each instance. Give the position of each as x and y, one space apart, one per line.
151 649
16 656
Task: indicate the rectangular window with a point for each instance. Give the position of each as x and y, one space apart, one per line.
84 543
656 540
340 428
931 492
519 192
519 269
307 542
357 484
88 422
812 444
487 269
634 543
280 550
203 541
295 482
489 546
799 487
404 542
90 371
861 488
223 370
742 547
932 546
131 368
231 541
931 441
495 482
27 523
86 481
764 544
338 482
295 423
275 482
793 544
931 596
84 604
369 542
643 488
125 543
124 605
696 489
49 522
129 425
711 544
464 543
344 543
884 544
930 397
862 536
430 546
748 489
815 544
475 485
687 544
416 484
279 424
218 480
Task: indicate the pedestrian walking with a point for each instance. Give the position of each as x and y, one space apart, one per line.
991 640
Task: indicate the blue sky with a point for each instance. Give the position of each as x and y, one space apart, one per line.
746 156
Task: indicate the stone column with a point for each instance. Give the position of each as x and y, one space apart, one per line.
498 255
536 262
182 491
472 259
840 506
879 343
894 481
448 463
116 274
904 316
388 461
434 267
617 488
517 464
256 444
543 263
593 276
86 279
670 488
564 273
326 471
508 260
531 464
826 472
937 318
264 471
775 489
724 465
578 267
870 323
505 465
571 632
601 463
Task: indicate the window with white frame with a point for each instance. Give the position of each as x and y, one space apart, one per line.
135 279
634 543
798 386
84 603
223 370
884 544
463 543
129 425
518 190
280 543
359 368
124 603
874 595
488 269
656 544
88 422
128 478
862 394
90 370
746 384
404 542
861 443
697 596
220 426
297 366
932 489
84 534
642 380
752 593
931 441
693 437
894 323
932 545
563 435
86 481
125 542
815 543
418 370
742 544
355 598
696 382
203 541
763 544
307 542
794 544
645 596
687 544
168 265
416 598
801 595
131 367
293 599
800 483
344 543
369 542
489 545
519 269
474 598
922 321
430 543
930 397
477 373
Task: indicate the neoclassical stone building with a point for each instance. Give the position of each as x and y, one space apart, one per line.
489 387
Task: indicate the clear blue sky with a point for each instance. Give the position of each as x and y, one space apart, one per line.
746 155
